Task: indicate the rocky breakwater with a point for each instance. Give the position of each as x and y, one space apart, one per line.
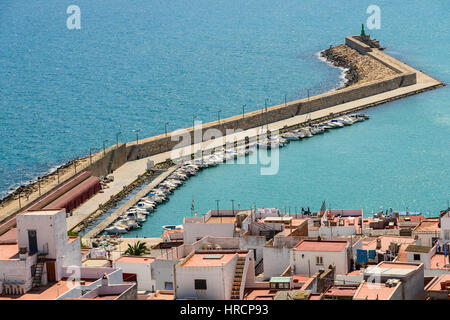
360 68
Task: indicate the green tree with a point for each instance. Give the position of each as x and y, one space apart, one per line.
137 249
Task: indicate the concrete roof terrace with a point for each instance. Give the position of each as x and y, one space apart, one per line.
321 245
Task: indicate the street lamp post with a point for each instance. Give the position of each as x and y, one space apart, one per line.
57 173
137 135
308 93
232 206
285 99
165 128
218 115
193 122
243 110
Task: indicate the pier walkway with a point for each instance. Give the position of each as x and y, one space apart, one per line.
110 219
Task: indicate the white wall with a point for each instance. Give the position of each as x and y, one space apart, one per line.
276 260
445 228
193 231
218 281
337 231
143 273
162 271
299 264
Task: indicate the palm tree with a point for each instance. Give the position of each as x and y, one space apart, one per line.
137 249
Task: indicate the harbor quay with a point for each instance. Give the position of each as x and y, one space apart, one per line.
225 254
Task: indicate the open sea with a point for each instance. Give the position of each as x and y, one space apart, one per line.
138 64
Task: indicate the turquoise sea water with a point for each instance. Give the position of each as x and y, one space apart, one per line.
139 64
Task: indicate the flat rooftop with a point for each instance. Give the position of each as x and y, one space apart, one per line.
131 259
221 220
428 225
47 292
95 263
41 212
322 245
9 251
375 291
341 291
213 259
439 261
371 243
394 269
9 237
436 286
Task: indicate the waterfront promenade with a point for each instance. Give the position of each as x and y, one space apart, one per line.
85 211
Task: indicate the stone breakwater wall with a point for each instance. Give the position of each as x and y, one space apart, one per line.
400 77
162 143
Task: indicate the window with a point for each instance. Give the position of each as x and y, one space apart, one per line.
416 257
168 286
200 284
319 261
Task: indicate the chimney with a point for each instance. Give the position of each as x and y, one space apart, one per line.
378 243
105 280
23 253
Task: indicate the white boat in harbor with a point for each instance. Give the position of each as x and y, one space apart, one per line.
116 229
336 123
291 136
173 227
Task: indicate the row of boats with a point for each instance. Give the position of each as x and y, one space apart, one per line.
134 217
309 131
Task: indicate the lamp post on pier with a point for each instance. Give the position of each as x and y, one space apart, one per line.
218 115
243 110
285 99
165 128
308 92
104 142
193 122
137 135
232 206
